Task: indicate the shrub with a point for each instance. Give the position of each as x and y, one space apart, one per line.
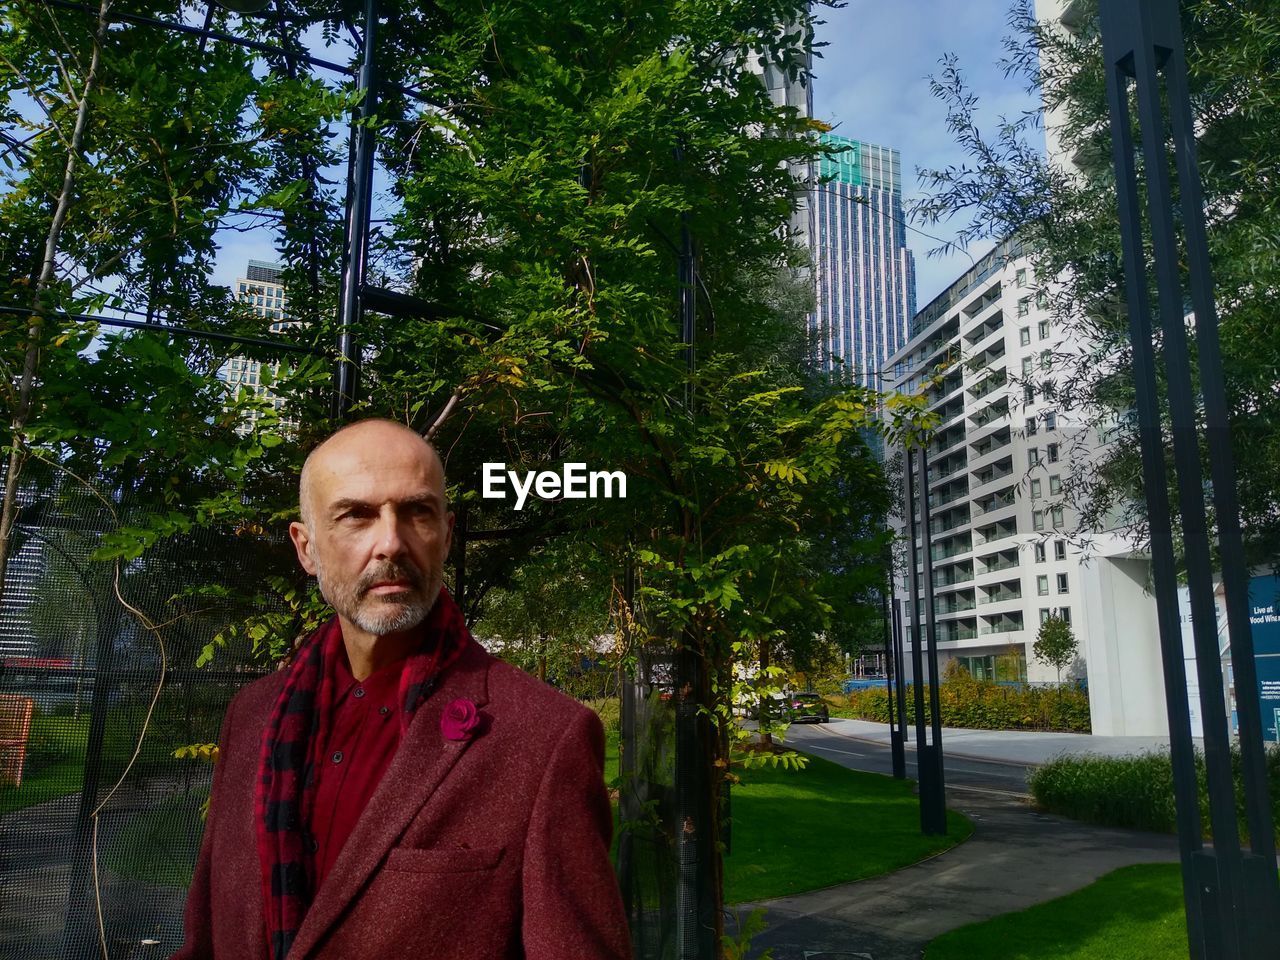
1134 791
983 705
609 709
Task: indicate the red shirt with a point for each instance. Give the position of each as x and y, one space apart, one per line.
364 734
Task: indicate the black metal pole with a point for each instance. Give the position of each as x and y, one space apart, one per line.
926 770
696 895
1198 897
80 930
1232 901
896 746
1261 888
356 251
901 684
933 800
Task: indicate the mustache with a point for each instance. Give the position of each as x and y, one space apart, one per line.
388 570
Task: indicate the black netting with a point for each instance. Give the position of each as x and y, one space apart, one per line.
80 673
647 865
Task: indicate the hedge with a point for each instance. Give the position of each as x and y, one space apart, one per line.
982 705
1134 791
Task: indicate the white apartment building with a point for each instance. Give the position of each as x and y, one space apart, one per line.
1003 559
262 290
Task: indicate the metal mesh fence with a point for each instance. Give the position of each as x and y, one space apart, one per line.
84 669
647 856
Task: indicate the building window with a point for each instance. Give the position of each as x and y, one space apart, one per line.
1039 547
1046 359
1059 549
1035 489
1028 394
1033 457
1031 426
1050 421
1044 329
1024 306
1044 614
1022 276
1062 583
1055 514
1052 450
1055 484
1027 366
1037 519
1024 336
1042 585
1064 613
1042 300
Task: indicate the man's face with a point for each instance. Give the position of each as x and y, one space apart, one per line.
378 533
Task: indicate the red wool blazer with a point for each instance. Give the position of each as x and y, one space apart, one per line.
497 847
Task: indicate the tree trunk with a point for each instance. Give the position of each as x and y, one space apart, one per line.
35 328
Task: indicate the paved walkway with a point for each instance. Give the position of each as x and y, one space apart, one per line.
1015 859
1013 746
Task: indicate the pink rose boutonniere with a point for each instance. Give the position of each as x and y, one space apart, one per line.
461 720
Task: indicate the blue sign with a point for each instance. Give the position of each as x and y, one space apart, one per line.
1264 624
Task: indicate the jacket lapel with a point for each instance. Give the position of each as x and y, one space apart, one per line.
421 763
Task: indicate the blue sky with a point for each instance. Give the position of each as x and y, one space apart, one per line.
872 81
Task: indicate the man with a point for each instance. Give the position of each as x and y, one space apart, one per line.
395 791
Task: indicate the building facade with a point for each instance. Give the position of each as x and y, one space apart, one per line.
864 274
262 290
1004 557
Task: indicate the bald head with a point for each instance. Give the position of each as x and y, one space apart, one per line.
375 528
364 442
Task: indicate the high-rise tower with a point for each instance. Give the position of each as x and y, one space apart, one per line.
865 277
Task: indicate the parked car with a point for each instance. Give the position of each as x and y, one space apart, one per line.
808 708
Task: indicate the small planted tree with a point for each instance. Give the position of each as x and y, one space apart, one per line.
1056 645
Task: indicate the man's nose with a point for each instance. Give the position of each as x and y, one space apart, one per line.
390 543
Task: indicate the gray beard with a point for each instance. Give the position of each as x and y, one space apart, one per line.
378 617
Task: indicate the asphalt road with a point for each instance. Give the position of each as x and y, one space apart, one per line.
998 777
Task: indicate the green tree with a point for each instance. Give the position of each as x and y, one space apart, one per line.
1055 644
1067 220
540 163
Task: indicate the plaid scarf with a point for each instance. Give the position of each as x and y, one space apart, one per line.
291 749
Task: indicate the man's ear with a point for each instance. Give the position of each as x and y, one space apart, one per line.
301 538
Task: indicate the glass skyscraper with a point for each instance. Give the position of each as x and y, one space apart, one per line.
864 274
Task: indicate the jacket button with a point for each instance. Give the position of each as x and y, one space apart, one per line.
359 692
384 710
337 756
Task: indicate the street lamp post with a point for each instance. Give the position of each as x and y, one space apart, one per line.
933 803
1232 896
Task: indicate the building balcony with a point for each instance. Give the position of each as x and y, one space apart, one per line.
951 579
992 383
994 502
1004 563
999 628
943 609
941 499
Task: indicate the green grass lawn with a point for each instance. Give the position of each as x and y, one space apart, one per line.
160 845
1134 913
54 764
803 830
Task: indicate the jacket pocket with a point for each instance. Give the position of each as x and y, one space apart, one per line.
444 859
